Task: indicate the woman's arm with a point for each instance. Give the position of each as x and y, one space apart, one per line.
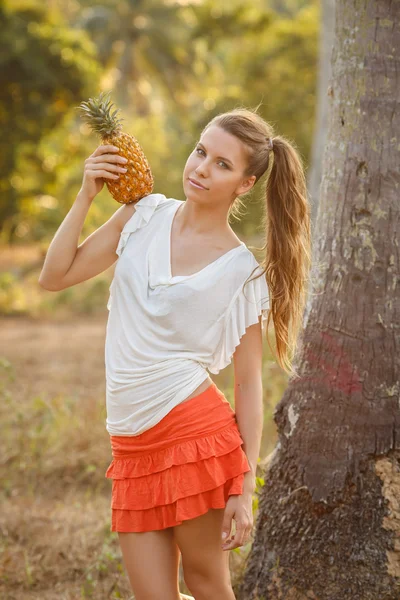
67 264
249 416
249 398
63 248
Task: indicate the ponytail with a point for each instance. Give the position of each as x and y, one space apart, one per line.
288 247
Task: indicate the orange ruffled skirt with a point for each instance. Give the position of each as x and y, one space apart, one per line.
190 461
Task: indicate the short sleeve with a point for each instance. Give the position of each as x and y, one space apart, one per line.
144 210
245 308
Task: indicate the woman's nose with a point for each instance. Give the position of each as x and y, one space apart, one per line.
201 170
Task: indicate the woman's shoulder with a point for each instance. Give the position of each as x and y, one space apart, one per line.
161 201
245 261
145 208
158 201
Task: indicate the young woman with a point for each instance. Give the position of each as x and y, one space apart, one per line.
188 296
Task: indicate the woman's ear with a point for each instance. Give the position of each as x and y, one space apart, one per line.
246 185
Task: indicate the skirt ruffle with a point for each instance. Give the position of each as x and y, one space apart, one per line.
162 477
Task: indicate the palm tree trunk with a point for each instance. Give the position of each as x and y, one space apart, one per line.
321 122
328 524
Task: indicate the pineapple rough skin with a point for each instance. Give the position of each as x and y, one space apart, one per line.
138 180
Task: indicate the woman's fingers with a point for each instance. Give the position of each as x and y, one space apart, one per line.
105 148
112 158
227 524
107 167
104 163
101 173
234 541
241 537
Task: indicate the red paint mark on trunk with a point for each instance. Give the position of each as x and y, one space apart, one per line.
342 376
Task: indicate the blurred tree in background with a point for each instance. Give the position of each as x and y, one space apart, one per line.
138 42
171 66
46 66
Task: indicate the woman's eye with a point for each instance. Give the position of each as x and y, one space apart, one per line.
220 162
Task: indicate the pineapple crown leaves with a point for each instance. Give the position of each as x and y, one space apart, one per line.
97 112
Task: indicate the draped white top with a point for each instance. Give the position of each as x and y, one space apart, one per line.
163 333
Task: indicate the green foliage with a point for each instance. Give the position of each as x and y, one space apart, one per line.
172 66
138 42
46 67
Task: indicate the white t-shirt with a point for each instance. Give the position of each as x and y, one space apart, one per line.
163 333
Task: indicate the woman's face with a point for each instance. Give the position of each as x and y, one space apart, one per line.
217 162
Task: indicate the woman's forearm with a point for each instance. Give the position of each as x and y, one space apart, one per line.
62 250
249 411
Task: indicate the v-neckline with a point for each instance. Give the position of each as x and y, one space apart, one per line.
169 253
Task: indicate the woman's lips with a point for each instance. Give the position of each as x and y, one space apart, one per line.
194 184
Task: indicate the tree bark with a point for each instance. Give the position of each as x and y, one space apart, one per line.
328 523
326 38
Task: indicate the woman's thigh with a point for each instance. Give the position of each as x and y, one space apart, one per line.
151 559
204 563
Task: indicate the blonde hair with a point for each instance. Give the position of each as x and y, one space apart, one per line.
286 222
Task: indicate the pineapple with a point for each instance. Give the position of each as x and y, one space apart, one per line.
138 180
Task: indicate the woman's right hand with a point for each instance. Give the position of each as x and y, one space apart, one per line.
104 163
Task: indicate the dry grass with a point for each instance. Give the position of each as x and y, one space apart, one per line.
55 521
54 415
60 548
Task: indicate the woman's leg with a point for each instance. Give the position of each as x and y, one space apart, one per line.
151 559
205 565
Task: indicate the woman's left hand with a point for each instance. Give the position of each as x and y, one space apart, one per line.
239 508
